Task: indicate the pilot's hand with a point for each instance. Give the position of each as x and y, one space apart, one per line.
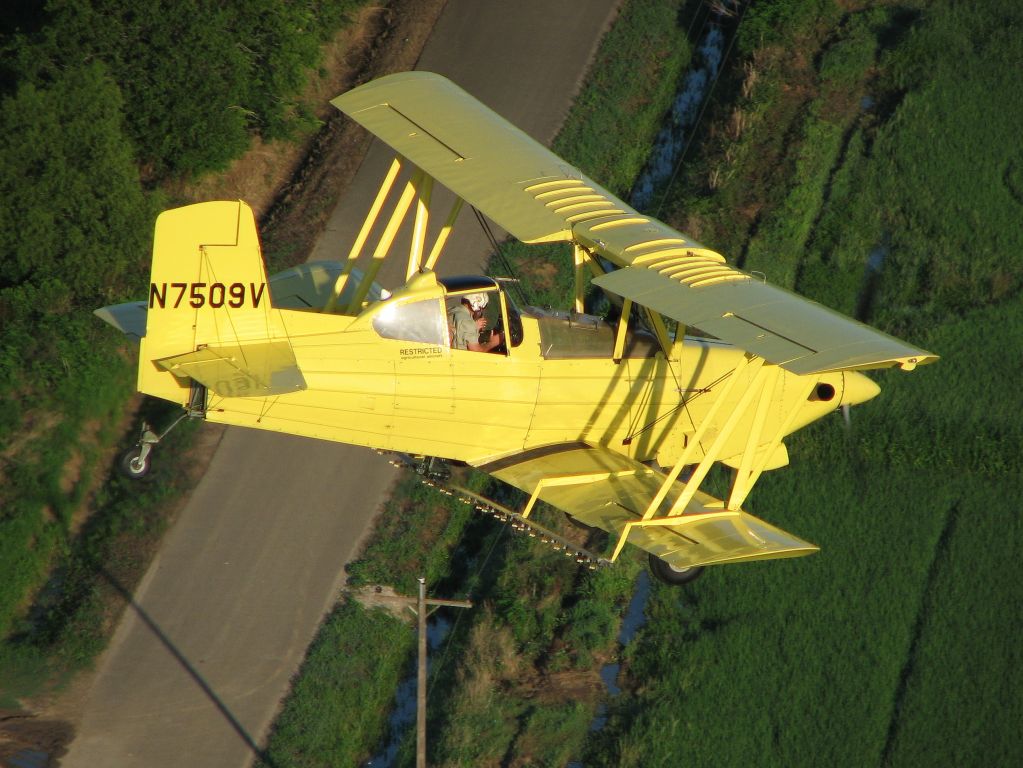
481 324
495 339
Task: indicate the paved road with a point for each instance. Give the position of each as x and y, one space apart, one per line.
220 622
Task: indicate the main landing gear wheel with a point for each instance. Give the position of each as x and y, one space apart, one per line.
135 462
669 574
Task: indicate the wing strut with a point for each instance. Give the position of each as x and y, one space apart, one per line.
386 240
418 189
424 190
701 432
749 472
442 236
761 389
367 225
582 257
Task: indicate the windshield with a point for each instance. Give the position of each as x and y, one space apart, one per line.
420 321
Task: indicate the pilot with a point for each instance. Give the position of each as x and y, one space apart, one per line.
467 323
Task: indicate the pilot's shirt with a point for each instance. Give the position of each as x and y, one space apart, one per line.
463 328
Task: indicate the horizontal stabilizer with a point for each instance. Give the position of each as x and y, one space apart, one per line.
129 319
608 490
250 370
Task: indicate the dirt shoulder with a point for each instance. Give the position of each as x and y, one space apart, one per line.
388 40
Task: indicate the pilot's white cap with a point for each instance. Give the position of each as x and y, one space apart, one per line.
477 301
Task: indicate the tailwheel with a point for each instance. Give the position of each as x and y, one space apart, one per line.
669 574
135 462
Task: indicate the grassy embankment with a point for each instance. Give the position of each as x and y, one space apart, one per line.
87 153
895 645
527 683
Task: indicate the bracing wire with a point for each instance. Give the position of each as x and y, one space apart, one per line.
485 226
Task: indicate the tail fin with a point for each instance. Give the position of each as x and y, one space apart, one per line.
207 290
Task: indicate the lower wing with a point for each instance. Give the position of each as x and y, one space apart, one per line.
610 491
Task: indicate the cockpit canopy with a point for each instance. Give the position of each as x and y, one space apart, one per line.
420 311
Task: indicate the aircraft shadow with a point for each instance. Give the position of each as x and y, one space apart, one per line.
192 672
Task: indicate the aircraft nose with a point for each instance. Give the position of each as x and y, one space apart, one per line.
858 388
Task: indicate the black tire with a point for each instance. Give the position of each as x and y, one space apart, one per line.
131 467
669 574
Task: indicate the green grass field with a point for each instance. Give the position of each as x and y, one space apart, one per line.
895 645
867 652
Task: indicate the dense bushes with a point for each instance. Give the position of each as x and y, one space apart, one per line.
73 225
196 76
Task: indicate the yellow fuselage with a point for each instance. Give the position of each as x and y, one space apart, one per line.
476 407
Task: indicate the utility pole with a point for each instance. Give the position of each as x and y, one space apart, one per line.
421 605
421 680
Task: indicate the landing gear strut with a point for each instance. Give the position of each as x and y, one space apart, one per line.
135 462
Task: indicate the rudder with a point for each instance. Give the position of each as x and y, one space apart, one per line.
208 287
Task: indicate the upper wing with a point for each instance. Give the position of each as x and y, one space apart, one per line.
480 156
608 490
795 333
538 197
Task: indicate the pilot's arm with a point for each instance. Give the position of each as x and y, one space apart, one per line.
493 341
467 331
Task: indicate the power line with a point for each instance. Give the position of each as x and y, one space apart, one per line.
703 109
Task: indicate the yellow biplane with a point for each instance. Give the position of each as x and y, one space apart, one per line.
615 423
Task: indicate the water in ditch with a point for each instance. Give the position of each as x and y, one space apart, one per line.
685 113
403 715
